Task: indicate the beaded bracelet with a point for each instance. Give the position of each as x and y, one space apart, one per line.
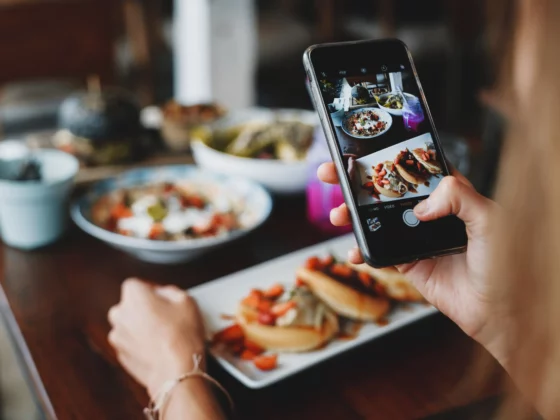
154 411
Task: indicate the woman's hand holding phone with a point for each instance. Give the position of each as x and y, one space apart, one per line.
457 285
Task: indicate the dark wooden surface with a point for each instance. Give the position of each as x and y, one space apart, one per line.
57 39
55 301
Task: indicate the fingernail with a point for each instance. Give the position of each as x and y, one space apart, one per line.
422 208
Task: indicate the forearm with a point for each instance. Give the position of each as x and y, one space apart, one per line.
524 364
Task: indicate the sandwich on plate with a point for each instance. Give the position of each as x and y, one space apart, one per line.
427 156
410 168
387 182
348 292
288 322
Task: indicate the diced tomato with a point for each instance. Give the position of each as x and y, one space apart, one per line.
281 308
267 362
196 202
274 292
248 355
364 278
328 260
341 270
266 318
226 220
264 305
313 263
168 187
230 334
299 282
253 299
156 231
379 167
253 347
120 211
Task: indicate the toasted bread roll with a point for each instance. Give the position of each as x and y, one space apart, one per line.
296 338
409 176
431 165
386 192
344 299
396 285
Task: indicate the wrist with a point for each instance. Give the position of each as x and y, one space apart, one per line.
497 340
171 366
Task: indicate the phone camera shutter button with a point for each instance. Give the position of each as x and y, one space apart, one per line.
410 219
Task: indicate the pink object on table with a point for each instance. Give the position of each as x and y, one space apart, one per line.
321 197
413 115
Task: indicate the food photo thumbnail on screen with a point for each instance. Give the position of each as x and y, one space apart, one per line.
386 140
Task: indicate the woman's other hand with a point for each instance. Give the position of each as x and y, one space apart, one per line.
155 332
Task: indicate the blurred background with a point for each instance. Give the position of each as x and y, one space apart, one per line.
234 53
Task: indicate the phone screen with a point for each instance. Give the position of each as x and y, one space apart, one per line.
390 150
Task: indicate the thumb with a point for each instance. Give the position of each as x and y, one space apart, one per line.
455 197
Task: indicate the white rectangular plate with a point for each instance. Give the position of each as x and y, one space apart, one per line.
221 297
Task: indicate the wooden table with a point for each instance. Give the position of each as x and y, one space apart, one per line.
55 302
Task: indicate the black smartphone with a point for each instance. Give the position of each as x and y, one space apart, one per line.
385 146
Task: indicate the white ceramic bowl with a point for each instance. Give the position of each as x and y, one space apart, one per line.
258 205
277 176
397 112
381 113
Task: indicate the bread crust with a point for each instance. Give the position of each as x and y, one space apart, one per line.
290 339
408 176
343 299
432 166
396 285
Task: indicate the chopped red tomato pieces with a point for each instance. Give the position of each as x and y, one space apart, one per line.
274 292
120 211
281 308
266 362
229 334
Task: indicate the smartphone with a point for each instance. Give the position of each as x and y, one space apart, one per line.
385 145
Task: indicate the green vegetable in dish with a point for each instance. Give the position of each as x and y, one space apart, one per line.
157 212
284 140
393 101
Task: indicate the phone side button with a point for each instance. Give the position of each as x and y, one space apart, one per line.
410 219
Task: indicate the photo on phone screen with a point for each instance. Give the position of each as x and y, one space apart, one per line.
375 113
380 124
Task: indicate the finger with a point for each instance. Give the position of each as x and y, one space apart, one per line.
113 315
340 216
454 197
327 173
113 338
133 287
172 293
355 256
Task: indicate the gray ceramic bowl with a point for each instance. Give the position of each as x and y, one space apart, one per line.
256 202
